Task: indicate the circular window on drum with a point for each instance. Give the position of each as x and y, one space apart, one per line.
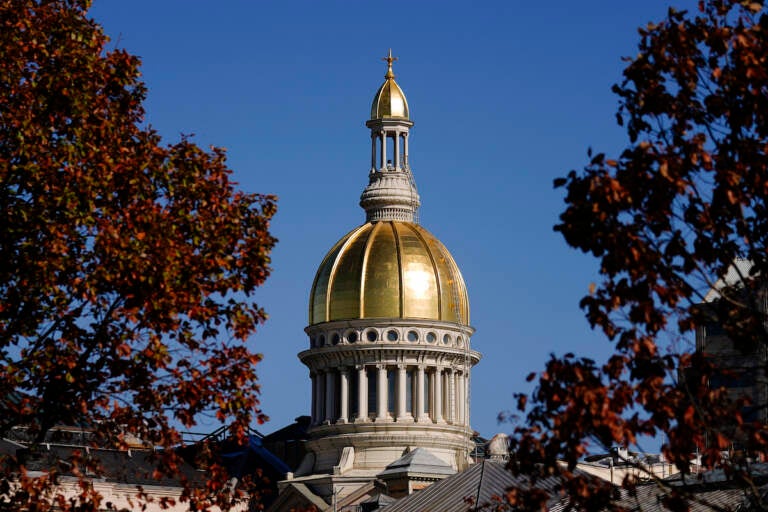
447 339
460 341
371 335
352 336
392 335
413 336
321 340
431 337
336 338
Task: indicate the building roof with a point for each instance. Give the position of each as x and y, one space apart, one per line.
481 484
707 498
418 461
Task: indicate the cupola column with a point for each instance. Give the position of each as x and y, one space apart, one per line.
396 155
383 136
374 142
405 150
344 404
362 394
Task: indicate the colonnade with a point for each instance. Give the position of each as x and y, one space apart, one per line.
399 154
386 393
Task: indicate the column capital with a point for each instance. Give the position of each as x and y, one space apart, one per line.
359 367
402 366
381 366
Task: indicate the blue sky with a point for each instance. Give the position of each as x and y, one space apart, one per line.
505 96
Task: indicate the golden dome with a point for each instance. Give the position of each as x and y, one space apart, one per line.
388 269
389 101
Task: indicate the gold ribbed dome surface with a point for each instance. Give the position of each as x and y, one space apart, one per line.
389 101
388 269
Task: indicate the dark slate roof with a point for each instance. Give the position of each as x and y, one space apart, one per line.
708 498
295 431
481 484
123 466
246 459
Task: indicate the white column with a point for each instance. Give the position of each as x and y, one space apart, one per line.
397 152
450 396
382 391
313 378
465 381
418 411
320 397
383 150
460 398
373 151
402 381
405 149
438 394
362 394
344 391
330 392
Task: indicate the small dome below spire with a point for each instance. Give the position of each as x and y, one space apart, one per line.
389 101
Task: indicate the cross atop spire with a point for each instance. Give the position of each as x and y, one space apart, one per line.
389 59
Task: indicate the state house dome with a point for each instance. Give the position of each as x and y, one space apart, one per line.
388 269
389 350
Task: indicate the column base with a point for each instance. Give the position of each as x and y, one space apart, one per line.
424 419
383 419
407 418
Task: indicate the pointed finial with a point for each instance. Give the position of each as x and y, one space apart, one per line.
389 59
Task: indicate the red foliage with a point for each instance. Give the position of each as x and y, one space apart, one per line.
126 265
666 219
